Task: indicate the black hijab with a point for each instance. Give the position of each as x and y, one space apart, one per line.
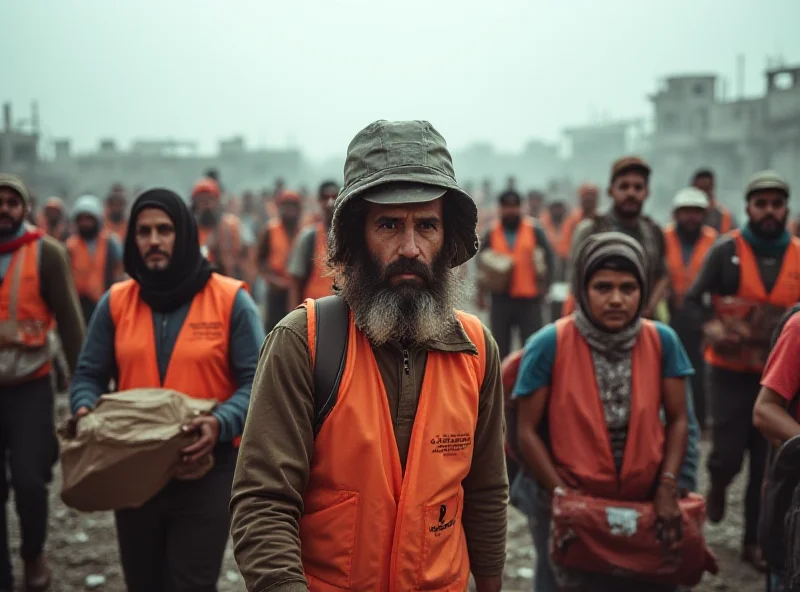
188 271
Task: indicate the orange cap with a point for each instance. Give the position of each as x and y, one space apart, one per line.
206 185
288 197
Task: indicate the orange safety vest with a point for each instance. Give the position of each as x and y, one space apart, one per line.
556 237
120 229
34 318
89 269
226 238
319 284
576 420
785 293
367 525
523 274
280 247
682 275
200 362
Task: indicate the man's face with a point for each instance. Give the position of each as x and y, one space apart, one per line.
326 202
116 209
557 212
706 185
629 191
87 226
289 212
589 201
690 220
535 202
155 238
768 212
53 215
205 207
401 286
510 215
12 211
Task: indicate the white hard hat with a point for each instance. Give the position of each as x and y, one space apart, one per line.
691 197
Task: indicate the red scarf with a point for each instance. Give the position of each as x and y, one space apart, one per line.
30 235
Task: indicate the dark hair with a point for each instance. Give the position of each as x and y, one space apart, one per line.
614 263
703 174
509 197
212 174
327 185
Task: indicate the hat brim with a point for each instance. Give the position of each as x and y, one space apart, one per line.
412 193
767 186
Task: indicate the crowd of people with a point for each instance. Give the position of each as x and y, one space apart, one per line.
367 433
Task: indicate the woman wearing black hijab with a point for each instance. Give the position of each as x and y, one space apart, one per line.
178 325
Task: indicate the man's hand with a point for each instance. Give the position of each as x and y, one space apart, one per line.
492 584
208 428
668 515
721 337
81 412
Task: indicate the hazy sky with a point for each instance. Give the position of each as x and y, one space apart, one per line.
311 73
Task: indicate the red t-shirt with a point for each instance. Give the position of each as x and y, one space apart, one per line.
782 372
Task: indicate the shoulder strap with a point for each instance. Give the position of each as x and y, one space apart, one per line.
332 327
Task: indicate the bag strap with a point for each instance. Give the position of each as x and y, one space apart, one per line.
332 328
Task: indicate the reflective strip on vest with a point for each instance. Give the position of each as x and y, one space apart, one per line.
319 284
785 293
199 365
523 274
681 275
579 439
280 246
89 269
367 525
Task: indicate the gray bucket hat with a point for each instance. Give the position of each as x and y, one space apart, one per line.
764 180
402 162
17 185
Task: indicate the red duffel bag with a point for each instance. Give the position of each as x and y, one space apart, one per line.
619 538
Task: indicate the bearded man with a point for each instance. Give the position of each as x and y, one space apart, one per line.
752 276
402 483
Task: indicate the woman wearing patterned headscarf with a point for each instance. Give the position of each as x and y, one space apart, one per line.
598 381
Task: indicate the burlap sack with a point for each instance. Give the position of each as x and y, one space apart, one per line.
128 448
494 271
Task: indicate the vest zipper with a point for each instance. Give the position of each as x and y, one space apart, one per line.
406 362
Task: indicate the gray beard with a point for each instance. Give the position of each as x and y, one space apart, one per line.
408 314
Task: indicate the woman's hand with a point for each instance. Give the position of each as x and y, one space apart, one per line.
668 514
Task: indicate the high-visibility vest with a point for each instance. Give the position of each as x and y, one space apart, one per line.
366 524
319 282
579 440
785 293
200 362
523 273
280 247
89 269
27 327
682 275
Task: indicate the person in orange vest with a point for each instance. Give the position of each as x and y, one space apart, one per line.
36 293
750 274
553 220
687 241
719 217
53 219
588 195
307 262
274 248
175 324
225 240
589 378
520 307
95 254
115 211
398 481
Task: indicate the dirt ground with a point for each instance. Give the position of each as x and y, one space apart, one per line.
83 553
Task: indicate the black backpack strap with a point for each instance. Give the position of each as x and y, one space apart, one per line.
332 331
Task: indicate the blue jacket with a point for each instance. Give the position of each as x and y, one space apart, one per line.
97 363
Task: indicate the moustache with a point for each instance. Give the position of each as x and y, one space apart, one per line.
405 265
631 200
6 217
155 251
